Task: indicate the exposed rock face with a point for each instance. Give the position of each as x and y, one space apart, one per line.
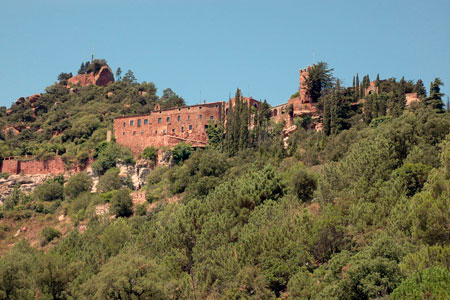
102 78
138 172
27 183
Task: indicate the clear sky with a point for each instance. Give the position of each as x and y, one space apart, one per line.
205 49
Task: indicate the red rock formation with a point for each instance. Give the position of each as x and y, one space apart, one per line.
33 98
101 78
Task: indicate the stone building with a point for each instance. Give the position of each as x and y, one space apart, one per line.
167 128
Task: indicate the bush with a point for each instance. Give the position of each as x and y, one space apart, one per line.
109 155
150 153
181 152
49 191
109 181
48 234
121 203
77 184
431 283
141 210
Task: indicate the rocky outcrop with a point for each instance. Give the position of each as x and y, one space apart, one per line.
138 172
26 183
101 78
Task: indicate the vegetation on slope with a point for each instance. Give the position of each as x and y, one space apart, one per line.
361 213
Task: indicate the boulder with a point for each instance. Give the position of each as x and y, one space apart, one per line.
103 77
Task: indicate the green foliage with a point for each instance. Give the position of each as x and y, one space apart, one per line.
150 153
121 204
48 234
109 181
301 182
319 81
427 284
181 152
77 184
109 155
49 191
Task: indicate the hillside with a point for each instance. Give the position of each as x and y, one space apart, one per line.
357 210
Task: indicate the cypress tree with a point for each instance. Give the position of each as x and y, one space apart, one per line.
243 132
358 95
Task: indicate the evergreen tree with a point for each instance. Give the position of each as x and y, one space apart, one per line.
420 89
358 94
243 134
82 69
129 77
434 101
118 74
320 80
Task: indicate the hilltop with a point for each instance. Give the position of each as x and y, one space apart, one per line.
341 195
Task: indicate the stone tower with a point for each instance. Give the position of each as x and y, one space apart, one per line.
304 74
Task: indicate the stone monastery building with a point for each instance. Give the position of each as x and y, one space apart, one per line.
167 128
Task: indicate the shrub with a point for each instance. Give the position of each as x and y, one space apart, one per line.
181 152
48 234
150 153
121 203
109 181
77 184
49 191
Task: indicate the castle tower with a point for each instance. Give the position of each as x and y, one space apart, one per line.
304 74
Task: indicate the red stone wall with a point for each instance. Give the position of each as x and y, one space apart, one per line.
10 166
53 166
167 127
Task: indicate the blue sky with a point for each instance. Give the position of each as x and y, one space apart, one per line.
205 49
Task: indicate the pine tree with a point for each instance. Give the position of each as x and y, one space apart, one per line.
420 89
434 101
82 69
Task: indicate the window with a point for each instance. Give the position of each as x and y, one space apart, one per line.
212 117
189 117
142 132
199 107
173 130
134 132
164 131
139 123
206 126
156 132
190 127
168 119
145 121
123 133
201 117
182 129
131 123
159 120
179 118
124 124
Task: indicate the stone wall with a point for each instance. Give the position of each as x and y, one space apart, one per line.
167 128
54 166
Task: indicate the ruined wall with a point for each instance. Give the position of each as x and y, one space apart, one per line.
53 166
411 98
10 166
167 127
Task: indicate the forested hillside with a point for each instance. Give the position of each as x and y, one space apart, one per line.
359 210
73 121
